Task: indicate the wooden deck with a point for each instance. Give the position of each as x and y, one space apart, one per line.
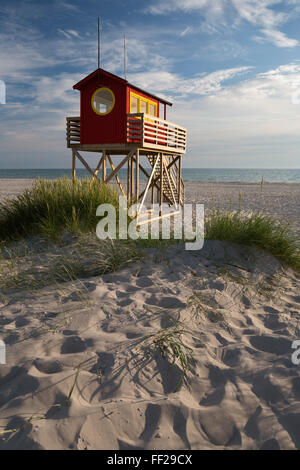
143 131
151 132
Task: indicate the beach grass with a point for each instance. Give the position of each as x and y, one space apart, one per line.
84 257
51 207
255 230
170 345
199 303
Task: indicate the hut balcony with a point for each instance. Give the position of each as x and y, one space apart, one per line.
143 131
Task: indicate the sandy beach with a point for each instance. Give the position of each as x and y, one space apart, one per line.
84 370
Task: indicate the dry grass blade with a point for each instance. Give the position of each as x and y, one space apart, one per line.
170 345
72 388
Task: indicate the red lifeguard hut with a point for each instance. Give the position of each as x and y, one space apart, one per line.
118 118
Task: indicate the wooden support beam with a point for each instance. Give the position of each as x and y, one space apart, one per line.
87 166
168 179
130 154
154 185
147 187
128 179
104 167
168 167
98 167
131 177
137 174
161 180
179 180
173 174
73 165
116 175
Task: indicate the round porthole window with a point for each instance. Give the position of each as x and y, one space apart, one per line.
103 101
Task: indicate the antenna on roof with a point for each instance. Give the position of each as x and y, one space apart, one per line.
98 42
98 51
124 56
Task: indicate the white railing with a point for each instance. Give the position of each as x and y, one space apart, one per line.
142 129
149 131
73 130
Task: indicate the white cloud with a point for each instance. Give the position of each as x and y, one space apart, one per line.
56 90
258 13
69 33
248 122
68 6
64 33
74 33
186 31
168 84
278 38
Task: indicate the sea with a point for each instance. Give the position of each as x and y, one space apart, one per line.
189 174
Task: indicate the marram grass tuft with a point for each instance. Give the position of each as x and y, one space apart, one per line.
257 230
53 206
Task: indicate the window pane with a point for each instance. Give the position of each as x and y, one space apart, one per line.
133 104
143 106
152 109
103 101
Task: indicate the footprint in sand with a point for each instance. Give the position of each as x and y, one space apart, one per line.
17 383
48 366
221 339
22 436
165 302
144 282
231 357
152 419
5 320
179 426
251 428
271 444
22 321
104 363
220 428
269 309
296 299
273 322
266 390
214 398
269 344
73 344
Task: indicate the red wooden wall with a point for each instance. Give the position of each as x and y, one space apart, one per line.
110 128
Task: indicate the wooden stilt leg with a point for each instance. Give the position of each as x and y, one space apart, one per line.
161 180
137 175
128 179
98 166
116 174
131 177
179 180
73 165
104 167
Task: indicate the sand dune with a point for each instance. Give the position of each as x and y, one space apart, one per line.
240 308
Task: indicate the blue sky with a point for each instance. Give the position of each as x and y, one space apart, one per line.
231 68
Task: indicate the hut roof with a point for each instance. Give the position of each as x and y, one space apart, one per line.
79 85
